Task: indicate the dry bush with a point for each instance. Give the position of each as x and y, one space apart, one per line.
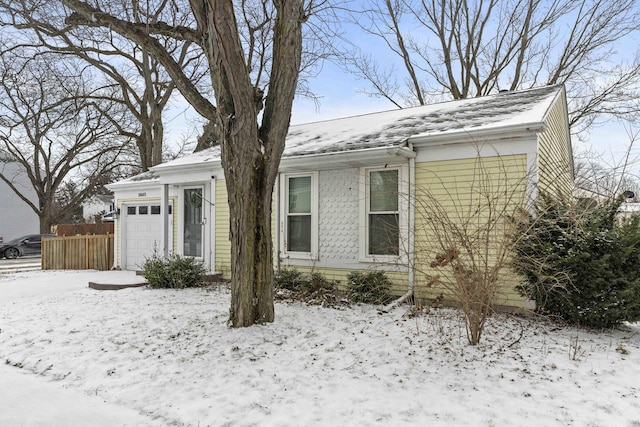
465 233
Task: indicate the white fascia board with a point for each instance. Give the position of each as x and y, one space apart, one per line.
197 172
345 159
208 165
188 173
479 136
132 185
188 177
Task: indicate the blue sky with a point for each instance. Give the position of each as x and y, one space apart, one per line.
339 95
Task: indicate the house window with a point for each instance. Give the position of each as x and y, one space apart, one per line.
143 210
131 210
300 205
383 215
155 210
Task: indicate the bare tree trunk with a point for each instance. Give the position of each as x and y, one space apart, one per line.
250 152
251 155
249 196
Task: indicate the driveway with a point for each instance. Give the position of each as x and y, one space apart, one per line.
26 263
29 400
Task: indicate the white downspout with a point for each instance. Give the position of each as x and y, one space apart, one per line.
411 234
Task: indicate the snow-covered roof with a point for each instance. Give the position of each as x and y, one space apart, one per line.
207 155
394 128
148 176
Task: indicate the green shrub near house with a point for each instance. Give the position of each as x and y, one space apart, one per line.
581 264
312 288
173 272
290 279
370 287
293 280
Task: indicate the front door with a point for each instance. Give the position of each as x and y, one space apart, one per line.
193 222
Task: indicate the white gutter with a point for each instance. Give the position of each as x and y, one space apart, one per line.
466 135
363 157
333 160
132 184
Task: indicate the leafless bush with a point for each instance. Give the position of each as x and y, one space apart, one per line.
465 232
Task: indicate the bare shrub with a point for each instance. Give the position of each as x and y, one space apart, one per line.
465 232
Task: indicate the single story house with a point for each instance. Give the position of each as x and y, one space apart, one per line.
346 196
16 216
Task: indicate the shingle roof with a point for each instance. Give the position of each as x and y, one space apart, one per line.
391 128
394 127
148 176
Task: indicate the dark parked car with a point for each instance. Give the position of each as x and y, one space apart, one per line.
25 245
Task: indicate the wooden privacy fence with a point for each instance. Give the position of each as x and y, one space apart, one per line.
78 252
82 228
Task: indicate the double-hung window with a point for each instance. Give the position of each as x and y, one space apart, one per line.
300 215
382 213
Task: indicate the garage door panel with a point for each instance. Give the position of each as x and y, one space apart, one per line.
143 232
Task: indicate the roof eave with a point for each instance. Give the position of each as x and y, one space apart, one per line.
205 165
341 159
479 136
131 184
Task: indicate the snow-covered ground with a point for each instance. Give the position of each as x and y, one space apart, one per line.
167 358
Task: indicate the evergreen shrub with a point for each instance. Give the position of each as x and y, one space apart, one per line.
174 272
294 280
290 279
581 263
371 287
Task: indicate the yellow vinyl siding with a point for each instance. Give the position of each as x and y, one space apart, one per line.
555 169
455 186
223 245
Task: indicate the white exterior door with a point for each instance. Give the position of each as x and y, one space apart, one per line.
142 232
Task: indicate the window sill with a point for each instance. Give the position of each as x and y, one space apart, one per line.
307 256
383 259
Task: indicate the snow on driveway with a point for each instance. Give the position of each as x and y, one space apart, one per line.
29 401
168 358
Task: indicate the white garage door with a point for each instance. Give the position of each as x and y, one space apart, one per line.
142 233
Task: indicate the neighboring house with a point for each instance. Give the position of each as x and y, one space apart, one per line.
16 217
340 204
628 210
96 206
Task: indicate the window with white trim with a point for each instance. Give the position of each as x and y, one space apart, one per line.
300 209
382 211
383 215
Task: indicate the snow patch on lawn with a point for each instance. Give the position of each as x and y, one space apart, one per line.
169 356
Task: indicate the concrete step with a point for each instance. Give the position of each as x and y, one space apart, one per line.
19 268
